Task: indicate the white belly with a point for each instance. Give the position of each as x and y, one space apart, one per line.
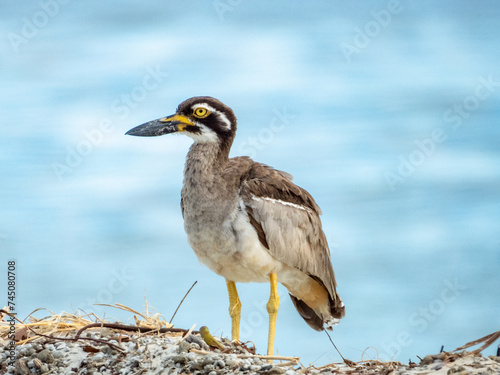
233 249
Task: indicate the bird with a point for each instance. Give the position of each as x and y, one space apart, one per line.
247 221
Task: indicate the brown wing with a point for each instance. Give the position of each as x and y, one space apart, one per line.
286 219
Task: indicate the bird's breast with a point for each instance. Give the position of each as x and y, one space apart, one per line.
228 244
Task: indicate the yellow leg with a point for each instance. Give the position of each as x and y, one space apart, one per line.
272 309
234 309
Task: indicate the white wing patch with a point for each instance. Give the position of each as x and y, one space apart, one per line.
221 115
279 201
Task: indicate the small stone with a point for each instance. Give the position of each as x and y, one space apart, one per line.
276 370
107 350
98 356
135 364
440 356
57 354
212 373
439 366
427 360
495 358
194 345
181 358
195 366
196 340
230 361
46 356
209 359
21 367
208 368
184 347
219 363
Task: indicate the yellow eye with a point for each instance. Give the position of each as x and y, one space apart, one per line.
201 112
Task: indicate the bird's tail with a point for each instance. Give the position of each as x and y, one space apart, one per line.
337 310
317 320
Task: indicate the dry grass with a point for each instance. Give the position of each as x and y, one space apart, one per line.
67 324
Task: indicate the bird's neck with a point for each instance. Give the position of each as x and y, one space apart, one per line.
205 160
203 184
204 164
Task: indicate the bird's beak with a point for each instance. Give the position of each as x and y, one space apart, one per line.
161 126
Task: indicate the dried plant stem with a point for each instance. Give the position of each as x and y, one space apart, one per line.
182 300
125 327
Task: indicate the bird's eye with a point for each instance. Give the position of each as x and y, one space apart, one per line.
201 112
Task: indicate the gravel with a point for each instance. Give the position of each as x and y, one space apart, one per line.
148 355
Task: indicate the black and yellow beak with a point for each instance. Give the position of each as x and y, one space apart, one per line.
165 125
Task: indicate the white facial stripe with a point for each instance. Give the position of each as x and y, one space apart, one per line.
279 201
221 115
207 134
225 120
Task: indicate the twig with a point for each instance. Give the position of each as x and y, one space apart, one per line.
487 340
330 365
116 347
187 333
346 361
286 364
364 351
125 327
182 300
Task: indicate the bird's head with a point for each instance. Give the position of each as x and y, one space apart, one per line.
203 118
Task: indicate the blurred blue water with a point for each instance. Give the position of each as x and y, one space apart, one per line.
93 216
